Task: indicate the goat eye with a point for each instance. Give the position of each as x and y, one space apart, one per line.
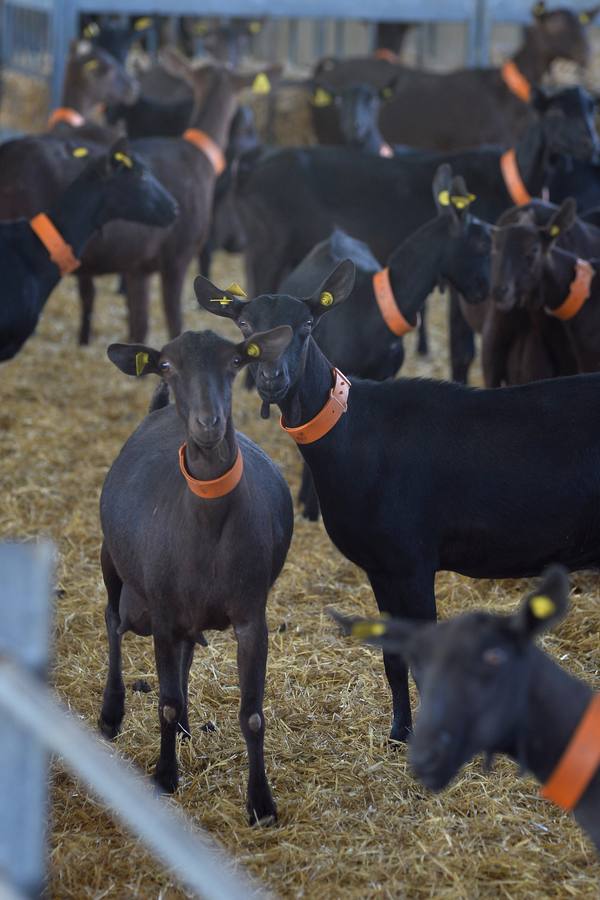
164 366
237 361
495 656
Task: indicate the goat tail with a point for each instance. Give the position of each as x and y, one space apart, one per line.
160 397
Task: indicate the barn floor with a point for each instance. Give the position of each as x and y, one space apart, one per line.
353 822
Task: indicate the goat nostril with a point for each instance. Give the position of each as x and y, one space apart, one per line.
209 421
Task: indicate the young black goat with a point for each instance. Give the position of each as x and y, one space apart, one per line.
417 476
36 253
453 248
486 688
197 522
358 106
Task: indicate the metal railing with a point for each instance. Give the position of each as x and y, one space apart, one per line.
35 723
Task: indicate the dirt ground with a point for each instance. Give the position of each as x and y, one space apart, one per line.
353 822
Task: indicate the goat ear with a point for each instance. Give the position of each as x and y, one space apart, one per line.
392 635
222 303
335 288
134 359
119 156
538 10
545 606
586 16
266 346
563 219
442 186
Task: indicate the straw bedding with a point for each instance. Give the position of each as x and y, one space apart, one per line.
353 822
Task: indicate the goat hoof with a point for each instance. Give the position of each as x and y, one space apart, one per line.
109 729
311 514
166 778
399 736
266 820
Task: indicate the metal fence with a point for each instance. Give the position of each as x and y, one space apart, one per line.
35 724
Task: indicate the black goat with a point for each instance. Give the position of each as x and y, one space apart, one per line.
358 107
36 253
486 688
197 522
417 476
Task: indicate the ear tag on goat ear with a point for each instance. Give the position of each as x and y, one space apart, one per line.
253 350
554 231
80 152
261 84
123 158
362 630
444 198
255 27
143 23
141 359
91 30
326 299
201 28
542 606
539 9
236 290
222 300
387 93
461 202
322 98
90 65
584 18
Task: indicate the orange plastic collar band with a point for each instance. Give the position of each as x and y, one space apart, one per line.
512 179
387 55
515 81
323 422
210 148
388 307
217 487
59 251
66 114
579 763
579 292
386 151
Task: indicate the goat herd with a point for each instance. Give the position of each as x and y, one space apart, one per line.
343 244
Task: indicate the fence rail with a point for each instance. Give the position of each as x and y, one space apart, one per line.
34 723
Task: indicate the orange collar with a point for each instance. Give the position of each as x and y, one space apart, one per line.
579 292
515 81
386 151
59 251
388 307
208 146
68 115
216 487
386 54
323 422
512 178
578 764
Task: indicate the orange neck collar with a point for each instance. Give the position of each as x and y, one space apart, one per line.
66 114
216 487
323 422
386 54
515 81
579 291
515 186
59 251
208 146
579 763
388 307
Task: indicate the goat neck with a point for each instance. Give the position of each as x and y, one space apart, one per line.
310 393
413 273
530 59
206 464
215 114
79 212
532 158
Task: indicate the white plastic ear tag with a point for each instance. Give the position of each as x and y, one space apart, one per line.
141 359
322 98
261 84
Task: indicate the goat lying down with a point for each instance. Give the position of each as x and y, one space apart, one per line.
486 688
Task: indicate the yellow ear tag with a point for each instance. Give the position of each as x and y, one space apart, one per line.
90 65
80 152
91 30
261 84
387 93
554 231
255 27
444 198
236 290
123 158
461 202
584 18
141 359
326 298
539 9
201 28
222 300
253 350
541 606
321 98
143 23
362 630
